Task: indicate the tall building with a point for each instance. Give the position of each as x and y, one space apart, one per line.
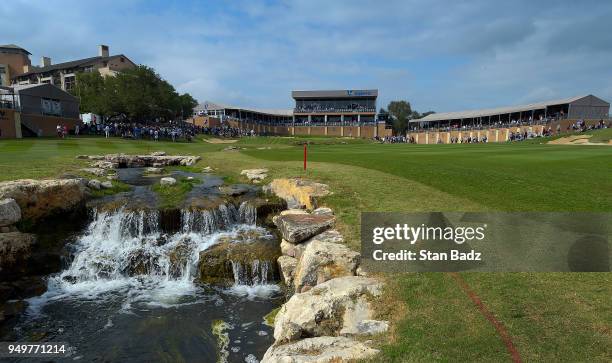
63 74
14 60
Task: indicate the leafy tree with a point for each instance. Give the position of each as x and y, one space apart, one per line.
400 112
138 94
188 103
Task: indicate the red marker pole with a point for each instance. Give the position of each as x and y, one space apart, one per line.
305 155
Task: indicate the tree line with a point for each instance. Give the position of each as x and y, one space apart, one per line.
138 94
400 112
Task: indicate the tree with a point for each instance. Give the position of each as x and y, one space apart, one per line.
188 103
138 94
400 112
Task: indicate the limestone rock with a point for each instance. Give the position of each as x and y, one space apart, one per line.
207 169
94 171
106 184
335 307
371 327
15 249
94 184
323 211
158 153
255 174
296 250
154 170
104 165
319 350
298 193
246 256
167 181
322 261
41 198
296 228
287 267
189 160
10 213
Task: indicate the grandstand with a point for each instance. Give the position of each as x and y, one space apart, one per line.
505 123
262 116
335 107
580 107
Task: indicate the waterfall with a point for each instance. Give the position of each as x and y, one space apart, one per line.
254 274
125 250
247 213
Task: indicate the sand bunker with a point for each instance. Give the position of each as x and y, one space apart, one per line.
577 140
220 141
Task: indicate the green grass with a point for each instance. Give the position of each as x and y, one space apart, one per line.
604 135
551 317
171 196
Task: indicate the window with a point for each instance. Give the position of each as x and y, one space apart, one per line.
88 69
51 107
122 60
69 82
3 77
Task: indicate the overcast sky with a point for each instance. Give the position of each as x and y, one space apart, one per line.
439 55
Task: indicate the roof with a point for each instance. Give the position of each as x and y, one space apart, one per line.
497 111
346 93
71 64
15 47
52 90
207 105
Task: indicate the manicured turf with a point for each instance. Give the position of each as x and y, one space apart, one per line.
551 317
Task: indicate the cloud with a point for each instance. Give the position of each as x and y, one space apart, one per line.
440 55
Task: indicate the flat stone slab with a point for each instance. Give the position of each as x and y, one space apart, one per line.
296 228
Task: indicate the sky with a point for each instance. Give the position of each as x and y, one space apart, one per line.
438 55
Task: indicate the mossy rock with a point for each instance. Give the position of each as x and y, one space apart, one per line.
215 265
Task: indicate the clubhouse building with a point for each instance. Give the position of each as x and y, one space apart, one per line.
350 113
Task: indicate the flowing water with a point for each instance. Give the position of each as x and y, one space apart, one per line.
127 292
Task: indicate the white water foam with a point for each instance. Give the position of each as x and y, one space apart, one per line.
123 254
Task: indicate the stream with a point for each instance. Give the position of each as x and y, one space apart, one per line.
129 289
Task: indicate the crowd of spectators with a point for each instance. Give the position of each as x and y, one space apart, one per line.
227 131
315 107
150 131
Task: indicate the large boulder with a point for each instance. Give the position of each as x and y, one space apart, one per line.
322 261
287 267
296 250
255 175
10 213
243 259
298 193
335 307
319 350
167 181
42 198
296 228
155 159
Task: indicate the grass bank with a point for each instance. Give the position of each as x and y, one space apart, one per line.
551 317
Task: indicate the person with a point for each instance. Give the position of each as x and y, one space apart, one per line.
76 130
156 135
65 131
106 131
58 130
